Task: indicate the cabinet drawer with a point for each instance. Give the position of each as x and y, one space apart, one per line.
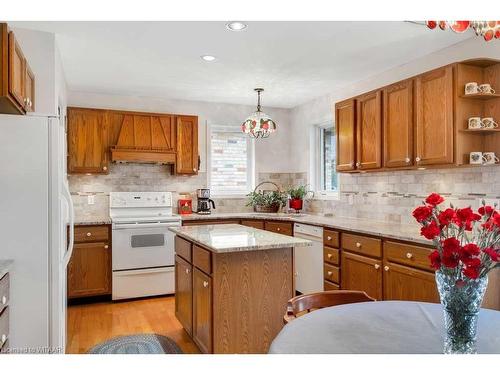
331 238
183 248
363 245
202 259
4 292
253 223
90 233
331 273
4 327
279 227
331 255
410 255
327 285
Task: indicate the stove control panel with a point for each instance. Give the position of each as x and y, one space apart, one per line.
140 199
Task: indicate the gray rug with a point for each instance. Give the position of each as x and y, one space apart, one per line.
137 344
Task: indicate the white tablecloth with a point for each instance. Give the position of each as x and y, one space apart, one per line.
379 327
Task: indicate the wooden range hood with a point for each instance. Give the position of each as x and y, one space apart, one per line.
145 139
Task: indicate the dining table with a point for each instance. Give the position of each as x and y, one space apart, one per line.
384 327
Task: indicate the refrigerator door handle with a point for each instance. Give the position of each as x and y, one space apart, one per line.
69 250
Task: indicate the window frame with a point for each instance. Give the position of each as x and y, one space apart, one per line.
251 172
318 163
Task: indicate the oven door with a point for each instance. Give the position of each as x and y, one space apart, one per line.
142 245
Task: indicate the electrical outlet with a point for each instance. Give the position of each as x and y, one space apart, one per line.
90 199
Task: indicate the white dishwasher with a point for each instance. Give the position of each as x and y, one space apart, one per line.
309 259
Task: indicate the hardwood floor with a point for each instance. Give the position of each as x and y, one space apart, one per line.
91 324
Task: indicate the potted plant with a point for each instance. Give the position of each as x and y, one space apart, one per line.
297 195
266 200
467 248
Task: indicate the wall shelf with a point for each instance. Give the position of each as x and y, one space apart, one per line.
481 96
480 131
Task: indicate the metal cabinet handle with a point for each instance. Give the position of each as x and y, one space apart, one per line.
329 256
417 159
358 244
187 270
329 238
4 338
409 255
407 160
104 168
358 164
194 169
106 246
278 229
4 300
89 234
330 273
377 266
386 268
205 284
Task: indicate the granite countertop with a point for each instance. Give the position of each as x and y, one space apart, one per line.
229 238
5 266
402 232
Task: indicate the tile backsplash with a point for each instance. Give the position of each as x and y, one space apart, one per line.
392 196
152 177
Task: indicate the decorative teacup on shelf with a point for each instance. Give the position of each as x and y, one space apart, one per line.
475 123
489 123
490 158
486 88
476 157
471 88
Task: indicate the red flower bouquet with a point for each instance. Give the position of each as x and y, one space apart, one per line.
467 248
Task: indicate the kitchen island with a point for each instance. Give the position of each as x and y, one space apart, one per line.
232 285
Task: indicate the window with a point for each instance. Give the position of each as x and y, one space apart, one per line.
231 161
326 175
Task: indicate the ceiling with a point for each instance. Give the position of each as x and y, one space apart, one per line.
294 61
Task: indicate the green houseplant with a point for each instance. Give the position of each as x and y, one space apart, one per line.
297 195
266 200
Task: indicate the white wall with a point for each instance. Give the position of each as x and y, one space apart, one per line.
272 154
319 110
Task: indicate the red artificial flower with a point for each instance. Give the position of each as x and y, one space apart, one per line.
435 259
472 268
451 244
496 219
488 225
422 213
446 217
470 250
465 217
434 199
430 231
495 256
485 210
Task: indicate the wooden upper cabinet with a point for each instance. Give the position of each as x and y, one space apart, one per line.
361 273
89 270
434 117
87 141
398 124
369 131
16 70
346 136
187 145
29 89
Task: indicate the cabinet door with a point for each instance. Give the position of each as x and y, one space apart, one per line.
361 273
184 293
16 70
398 124
369 131
87 141
29 89
89 270
202 311
434 117
187 145
409 284
345 127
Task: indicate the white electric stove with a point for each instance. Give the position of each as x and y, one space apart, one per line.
143 247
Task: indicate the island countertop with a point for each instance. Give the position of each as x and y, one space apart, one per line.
228 238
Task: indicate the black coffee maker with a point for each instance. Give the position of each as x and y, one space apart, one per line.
204 201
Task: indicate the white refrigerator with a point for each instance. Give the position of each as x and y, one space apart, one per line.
35 210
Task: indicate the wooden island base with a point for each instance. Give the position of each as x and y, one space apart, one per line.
232 302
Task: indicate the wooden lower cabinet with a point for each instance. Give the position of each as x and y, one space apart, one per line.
258 224
202 311
279 227
89 270
409 284
184 293
362 273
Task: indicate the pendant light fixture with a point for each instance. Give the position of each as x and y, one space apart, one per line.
258 124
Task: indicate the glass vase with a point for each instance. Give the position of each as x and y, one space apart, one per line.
461 300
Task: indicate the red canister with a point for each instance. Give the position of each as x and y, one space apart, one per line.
185 205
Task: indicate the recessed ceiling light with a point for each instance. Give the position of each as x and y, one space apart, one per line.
208 58
236 26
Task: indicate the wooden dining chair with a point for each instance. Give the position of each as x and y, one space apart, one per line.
307 302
